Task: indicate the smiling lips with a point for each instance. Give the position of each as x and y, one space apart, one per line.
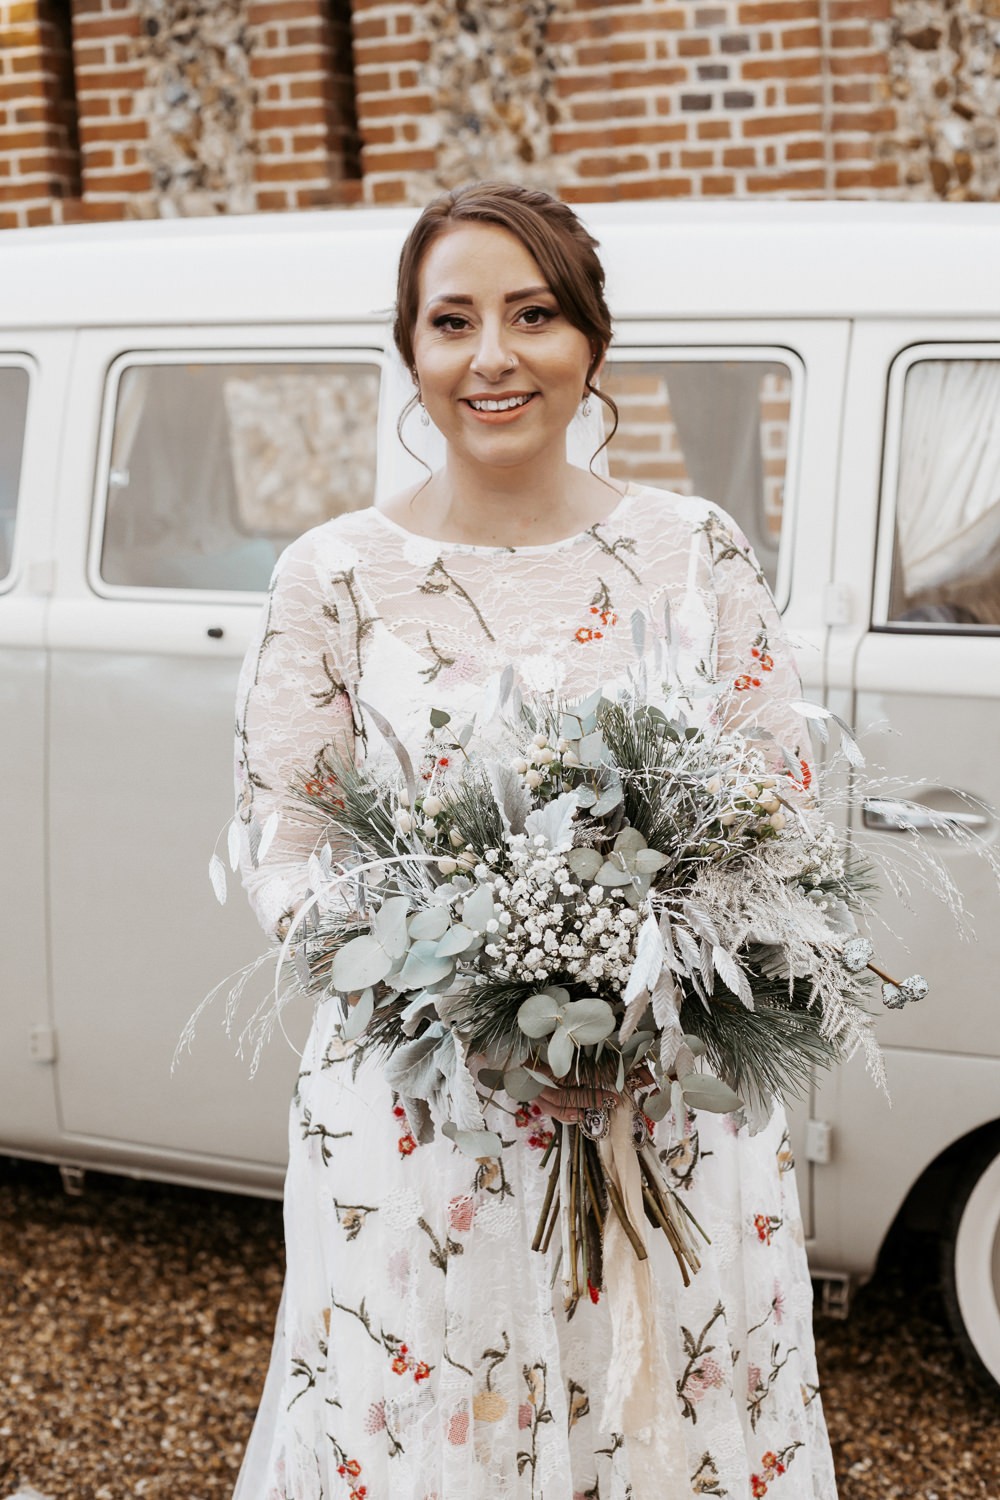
498 409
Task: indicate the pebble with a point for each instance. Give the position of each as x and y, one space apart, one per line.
135 1333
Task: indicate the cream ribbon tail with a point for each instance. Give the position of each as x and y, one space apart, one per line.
641 1400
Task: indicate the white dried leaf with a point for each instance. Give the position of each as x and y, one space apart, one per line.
217 875
233 842
732 976
267 835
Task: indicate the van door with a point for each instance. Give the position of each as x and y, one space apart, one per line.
192 459
34 368
916 665
747 414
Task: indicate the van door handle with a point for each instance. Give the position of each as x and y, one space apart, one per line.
901 817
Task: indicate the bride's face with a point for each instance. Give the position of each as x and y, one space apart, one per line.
489 331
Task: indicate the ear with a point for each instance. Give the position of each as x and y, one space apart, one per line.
595 373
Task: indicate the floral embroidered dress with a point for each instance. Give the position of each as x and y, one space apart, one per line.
420 1352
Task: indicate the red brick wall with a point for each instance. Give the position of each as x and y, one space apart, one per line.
304 121
39 156
304 103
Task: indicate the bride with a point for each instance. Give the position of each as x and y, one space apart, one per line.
419 1352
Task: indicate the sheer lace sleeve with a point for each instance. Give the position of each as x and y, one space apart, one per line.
755 665
292 702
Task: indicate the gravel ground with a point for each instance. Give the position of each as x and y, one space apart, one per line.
135 1328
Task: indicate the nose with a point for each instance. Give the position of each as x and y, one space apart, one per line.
493 357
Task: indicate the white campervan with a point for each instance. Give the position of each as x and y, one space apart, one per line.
178 400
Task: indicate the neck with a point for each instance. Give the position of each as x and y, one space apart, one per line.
511 507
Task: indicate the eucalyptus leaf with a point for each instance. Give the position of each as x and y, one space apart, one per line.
423 966
389 926
609 799
478 909
589 705
656 1105
521 1085
612 875
359 963
629 841
477 1143
592 750
539 1014
584 863
560 1052
694 1044
432 922
571 728
490 1078
588 1021
359 1015
648 861
456 940
585 796
439 718
702 1091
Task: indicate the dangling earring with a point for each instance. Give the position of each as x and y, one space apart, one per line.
425 420
585 408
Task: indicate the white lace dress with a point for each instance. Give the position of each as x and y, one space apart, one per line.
420 1353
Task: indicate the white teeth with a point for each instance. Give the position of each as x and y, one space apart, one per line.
504 405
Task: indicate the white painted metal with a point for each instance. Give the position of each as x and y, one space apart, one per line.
28 1115
773 260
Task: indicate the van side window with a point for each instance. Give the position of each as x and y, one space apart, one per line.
946 555
13 411
716 428
215 467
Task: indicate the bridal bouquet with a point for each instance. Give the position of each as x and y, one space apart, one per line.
604 897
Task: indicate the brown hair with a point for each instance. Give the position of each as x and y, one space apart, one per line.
551 233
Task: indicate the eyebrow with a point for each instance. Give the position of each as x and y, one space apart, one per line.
519 296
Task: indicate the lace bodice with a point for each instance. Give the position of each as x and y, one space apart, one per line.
362 612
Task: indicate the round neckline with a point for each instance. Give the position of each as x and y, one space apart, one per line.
527 551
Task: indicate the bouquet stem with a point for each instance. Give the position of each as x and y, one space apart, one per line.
580 1194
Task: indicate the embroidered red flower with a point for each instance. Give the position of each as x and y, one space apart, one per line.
399 1364
407 1145
421 1372
758 1486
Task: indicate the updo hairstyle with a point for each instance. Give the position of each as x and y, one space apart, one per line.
550 232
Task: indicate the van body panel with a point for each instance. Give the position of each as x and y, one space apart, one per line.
663 259
28 1111
878 1154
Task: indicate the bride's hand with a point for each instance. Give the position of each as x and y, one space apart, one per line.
568 1104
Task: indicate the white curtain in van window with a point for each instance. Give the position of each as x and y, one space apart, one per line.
948 508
